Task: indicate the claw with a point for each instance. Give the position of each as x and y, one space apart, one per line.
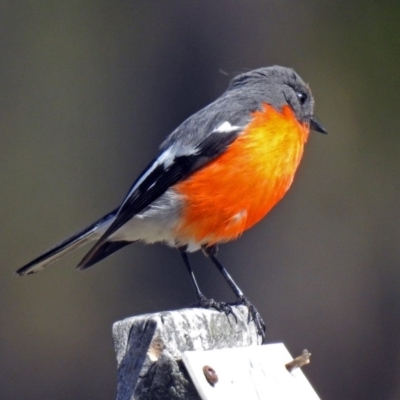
254 315
204 302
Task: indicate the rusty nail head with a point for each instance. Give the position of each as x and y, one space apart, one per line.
210 374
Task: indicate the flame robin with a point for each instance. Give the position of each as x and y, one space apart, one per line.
215 176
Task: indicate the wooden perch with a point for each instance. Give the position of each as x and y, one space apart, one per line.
149 349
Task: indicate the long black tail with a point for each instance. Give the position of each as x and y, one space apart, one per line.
92 232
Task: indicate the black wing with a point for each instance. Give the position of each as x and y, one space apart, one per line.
156 179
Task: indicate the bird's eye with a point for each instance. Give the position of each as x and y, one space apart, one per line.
302 97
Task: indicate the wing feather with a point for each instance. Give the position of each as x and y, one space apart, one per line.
158 177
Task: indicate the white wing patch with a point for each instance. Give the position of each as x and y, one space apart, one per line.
227 127
166 159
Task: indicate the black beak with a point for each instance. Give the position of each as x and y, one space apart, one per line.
316 126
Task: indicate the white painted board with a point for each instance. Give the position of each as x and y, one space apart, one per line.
247 373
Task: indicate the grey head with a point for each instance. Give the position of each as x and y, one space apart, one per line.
279 86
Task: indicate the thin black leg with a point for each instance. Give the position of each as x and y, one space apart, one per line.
211 253
203 301
185 258
254 315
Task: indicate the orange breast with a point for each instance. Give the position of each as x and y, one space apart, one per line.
237 189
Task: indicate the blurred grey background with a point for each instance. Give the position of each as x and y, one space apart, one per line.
88 89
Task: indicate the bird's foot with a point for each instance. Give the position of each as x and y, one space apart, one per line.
204 302
254 315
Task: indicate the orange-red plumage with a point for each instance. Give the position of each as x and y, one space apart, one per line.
237 189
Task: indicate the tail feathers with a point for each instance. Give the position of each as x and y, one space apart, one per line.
103 251
90 233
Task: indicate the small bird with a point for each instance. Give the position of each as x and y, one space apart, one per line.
215 176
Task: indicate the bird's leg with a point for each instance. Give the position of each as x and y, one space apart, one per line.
202 301
254 315
211 253
196 287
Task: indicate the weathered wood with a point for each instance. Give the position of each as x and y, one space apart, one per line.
248 373
149 349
